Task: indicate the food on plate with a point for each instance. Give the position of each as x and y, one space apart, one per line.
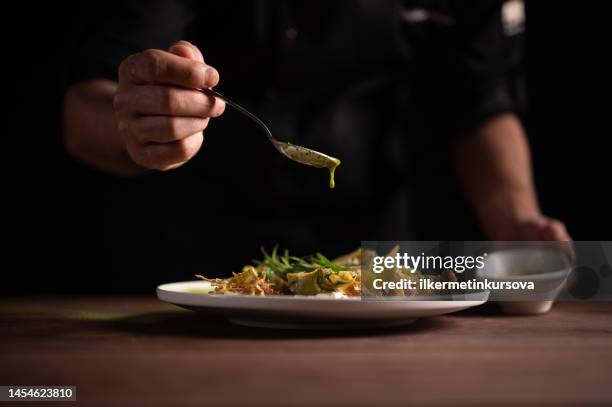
286 274
283 274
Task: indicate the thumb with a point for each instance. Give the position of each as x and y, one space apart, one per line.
186 49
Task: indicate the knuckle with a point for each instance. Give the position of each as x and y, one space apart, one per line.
125 128
151 62
163 99
139 131
119 102
197 74
169 100
126 67
134 132
174 128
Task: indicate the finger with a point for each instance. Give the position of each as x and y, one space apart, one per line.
155 66
163 129
555 230
167 101
165 156
186 49
531 230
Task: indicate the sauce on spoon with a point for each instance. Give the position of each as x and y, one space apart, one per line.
310 157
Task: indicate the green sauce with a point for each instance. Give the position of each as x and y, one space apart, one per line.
332 171
310 157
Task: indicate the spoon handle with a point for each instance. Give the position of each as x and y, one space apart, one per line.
241 109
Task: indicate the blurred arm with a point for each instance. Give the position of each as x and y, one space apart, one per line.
90 128
101 42
494 165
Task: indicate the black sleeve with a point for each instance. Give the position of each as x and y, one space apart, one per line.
474 68
107 32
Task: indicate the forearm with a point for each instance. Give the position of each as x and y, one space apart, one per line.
494 164
90 129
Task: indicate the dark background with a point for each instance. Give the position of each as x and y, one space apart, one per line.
56 219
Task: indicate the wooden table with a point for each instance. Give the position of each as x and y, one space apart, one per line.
134 351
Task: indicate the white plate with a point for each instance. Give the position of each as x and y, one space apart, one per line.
309 312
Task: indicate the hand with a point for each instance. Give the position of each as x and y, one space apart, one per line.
160 113
536 228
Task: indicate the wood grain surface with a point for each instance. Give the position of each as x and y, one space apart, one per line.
135 351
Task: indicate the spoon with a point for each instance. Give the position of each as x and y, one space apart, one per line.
294 152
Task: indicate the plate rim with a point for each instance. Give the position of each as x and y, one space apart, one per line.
164 293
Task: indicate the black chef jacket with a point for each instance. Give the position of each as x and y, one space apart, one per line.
385 85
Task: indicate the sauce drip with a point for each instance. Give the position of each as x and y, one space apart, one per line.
310 157
332 171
